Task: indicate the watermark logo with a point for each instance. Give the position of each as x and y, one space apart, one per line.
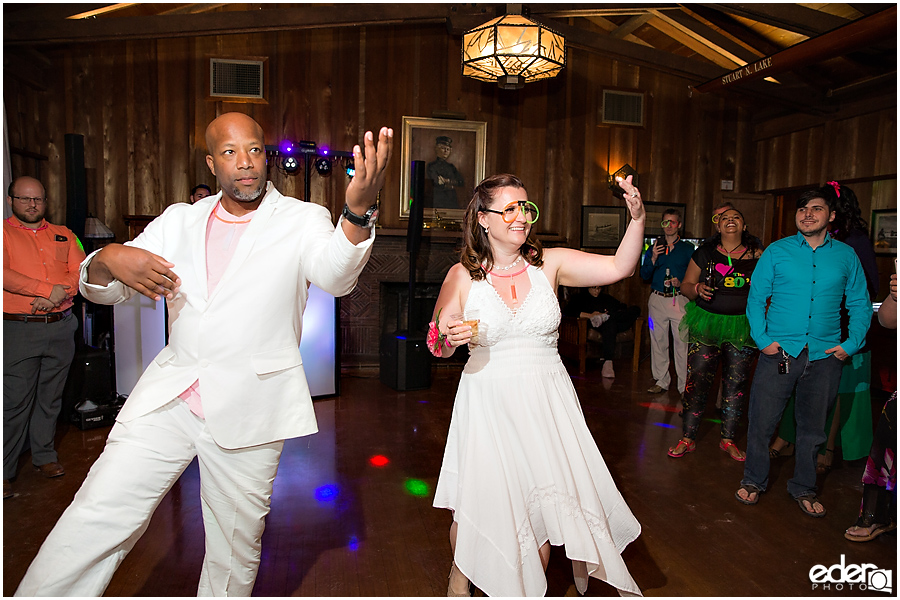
852 577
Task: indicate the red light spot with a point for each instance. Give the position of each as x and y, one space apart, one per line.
378 461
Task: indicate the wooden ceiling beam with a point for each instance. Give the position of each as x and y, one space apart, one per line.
707 50
686 20
45 12
792 17
220 23
562 11
630 25
759 43
733 28
858 34
609 26
868 9
692 33
691 69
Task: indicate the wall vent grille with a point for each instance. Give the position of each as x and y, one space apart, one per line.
623 108
236 78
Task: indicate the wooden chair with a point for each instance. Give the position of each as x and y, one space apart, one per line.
573 341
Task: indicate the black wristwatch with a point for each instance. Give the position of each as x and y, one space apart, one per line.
368 220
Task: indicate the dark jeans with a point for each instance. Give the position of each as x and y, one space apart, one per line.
618 321
703 362
816 384
36 359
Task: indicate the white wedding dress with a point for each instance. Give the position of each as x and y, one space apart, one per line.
520 466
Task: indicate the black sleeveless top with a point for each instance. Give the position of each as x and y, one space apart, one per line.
732 282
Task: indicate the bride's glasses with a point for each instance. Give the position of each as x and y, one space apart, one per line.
511 211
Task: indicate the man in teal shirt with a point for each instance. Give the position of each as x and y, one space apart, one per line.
805 277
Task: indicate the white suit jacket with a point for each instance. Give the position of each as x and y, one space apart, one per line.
242 341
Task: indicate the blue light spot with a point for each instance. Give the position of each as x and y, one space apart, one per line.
353 544
326 493
650 323
666 425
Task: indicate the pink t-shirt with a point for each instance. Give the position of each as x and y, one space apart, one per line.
223 232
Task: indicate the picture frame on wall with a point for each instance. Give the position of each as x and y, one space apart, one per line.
454 156
884 231
602 226
655 210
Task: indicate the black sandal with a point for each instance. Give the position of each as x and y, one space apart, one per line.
811 498
750 489
787 450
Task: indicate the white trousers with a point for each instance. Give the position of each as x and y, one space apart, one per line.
142 460
665 314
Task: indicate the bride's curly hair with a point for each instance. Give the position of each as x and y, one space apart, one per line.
476 249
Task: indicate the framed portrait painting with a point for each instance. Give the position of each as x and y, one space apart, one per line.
602 226
453 152
884 231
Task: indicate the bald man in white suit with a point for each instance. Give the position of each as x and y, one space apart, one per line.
229 387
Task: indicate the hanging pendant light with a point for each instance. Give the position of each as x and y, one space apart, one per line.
512 50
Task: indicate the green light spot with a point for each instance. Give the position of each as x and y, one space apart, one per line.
416 487
714 420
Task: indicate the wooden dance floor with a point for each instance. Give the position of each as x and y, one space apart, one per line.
352 515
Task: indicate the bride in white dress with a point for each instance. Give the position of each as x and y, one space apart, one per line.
521 470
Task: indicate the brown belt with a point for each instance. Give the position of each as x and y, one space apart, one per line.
48 318
664 295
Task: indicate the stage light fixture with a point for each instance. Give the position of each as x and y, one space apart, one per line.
287 147
323 167
290 164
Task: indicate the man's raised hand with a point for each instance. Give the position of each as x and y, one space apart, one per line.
370 170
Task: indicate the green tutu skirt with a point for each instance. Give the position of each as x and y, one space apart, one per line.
701 326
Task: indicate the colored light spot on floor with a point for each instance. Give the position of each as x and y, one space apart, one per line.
326 493
666 425
416 487
378 461
353 544
719 421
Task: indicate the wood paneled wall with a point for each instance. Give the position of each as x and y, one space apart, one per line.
859 148
143 108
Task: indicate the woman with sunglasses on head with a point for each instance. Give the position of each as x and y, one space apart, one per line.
521 470
717 283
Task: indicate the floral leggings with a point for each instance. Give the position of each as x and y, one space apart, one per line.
703 362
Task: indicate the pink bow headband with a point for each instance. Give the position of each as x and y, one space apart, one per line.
836 186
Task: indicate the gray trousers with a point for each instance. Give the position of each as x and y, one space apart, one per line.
36 359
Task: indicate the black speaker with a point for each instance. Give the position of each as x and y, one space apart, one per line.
405 362
90 378
76 184
416 207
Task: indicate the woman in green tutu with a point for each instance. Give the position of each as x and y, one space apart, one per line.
717 282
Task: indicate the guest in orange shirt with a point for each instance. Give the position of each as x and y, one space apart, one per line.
40 278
